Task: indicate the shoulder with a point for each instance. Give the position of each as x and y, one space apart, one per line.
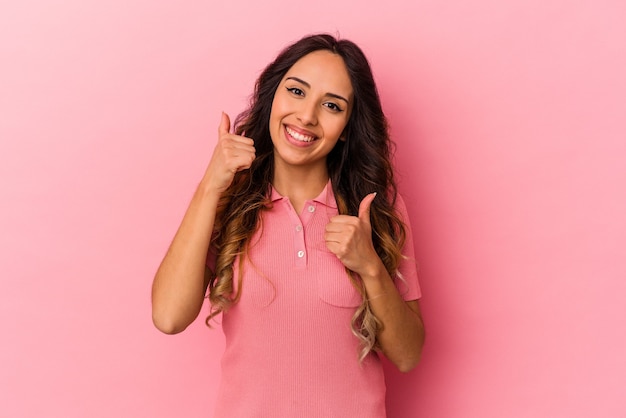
399 205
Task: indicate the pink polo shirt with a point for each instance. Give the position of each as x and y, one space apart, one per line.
289 348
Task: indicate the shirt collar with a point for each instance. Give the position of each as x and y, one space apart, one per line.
326 197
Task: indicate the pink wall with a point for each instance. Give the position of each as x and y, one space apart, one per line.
509 117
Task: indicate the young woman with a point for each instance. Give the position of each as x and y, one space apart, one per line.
299 235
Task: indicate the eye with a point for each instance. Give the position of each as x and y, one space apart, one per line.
296 91
333 106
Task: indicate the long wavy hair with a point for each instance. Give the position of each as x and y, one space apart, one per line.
357 166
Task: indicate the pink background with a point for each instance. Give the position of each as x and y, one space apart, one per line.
509 119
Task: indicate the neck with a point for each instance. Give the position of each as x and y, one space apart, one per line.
300 184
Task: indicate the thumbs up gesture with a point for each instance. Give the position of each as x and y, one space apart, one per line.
350 238
232 153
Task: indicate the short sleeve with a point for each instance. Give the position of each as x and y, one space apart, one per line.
406 280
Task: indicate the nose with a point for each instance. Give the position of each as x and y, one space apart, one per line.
307 114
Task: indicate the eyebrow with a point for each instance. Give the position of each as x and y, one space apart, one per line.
336 96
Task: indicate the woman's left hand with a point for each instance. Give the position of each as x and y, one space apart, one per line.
350 238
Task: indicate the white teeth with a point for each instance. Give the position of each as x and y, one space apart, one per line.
299 136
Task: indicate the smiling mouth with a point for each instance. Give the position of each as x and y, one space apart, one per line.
298 136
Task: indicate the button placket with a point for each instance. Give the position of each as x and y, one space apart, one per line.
300 246
300 250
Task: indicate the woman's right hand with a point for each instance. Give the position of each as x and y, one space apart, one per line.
232 153
180 283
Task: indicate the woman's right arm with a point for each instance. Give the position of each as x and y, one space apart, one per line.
180 284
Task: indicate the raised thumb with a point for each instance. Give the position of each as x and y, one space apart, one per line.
364 207
224 127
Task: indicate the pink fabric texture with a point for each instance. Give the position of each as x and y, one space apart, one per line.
289 348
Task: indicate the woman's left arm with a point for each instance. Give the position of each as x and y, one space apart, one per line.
401 335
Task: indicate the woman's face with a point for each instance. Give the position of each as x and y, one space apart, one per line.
311 108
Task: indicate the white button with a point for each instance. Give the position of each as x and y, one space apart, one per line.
300 254
299 228
311 208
